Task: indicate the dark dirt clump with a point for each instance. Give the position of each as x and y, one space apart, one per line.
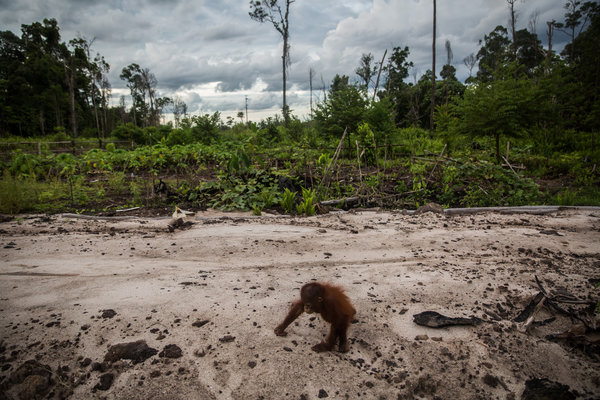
171 351
137 352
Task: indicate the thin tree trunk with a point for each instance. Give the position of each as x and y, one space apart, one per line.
71 84
133 106
431 121
104 112
286 55
57 112
96 114
310 79
498 149
550 32
42 123
513 28
154 118
379 74
549 54
284 62
572 42
145 109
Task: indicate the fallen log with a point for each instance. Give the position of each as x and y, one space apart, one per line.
347 201
532 210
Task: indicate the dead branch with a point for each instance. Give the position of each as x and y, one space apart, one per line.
325 179
543 298
510 166
530 308
358 155
348 201
551 301
530 320
437 160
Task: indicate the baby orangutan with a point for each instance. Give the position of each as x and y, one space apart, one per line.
334 306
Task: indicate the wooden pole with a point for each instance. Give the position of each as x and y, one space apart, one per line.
379 74
431 122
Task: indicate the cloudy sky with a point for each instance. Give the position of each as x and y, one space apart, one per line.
212 55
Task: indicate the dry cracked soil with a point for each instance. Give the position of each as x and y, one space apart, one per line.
145 308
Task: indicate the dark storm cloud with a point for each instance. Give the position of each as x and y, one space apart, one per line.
217 33
213 55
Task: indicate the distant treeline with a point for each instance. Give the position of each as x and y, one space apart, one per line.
521 89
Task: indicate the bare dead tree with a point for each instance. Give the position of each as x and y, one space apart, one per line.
179 110
150 82
513 23
323 88
431 121
533 19
278 15
106 93
366 71
573 18
311 75
470 61
513 19
549 32
449 54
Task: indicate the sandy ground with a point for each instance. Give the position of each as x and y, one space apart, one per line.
216 289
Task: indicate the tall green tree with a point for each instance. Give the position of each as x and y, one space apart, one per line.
395 88
12 107
497 51
493 53
419 114
449 86
577 15
45 83
149 83
101 88
343 109
142 85
131 74
44 74
505 107
366 70
93 73
585 64
34 98
529 51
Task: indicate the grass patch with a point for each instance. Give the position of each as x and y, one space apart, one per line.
587 196
16 194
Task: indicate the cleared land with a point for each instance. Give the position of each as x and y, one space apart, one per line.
216 289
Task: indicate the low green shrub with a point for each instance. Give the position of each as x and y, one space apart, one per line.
307 206
487 184
288 200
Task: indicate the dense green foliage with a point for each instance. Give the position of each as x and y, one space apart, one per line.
523 130
48 85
